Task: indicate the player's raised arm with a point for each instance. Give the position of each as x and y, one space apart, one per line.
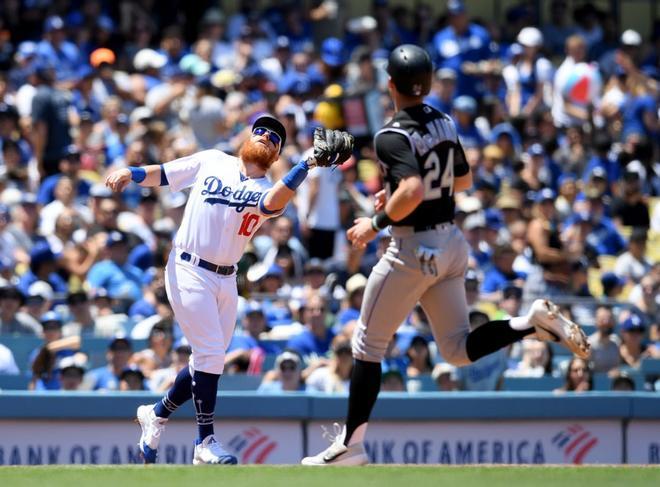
331 148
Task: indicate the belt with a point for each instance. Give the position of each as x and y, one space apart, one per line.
225 270
432 226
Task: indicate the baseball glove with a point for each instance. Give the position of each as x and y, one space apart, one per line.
331 147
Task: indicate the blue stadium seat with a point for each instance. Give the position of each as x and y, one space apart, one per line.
239 382
269 362
545 383
602 382
14 382
95 348
421 383
650 367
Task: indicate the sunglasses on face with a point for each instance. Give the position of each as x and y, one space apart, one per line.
272 136
288 367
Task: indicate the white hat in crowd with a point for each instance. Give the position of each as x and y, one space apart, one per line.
631 38
530 37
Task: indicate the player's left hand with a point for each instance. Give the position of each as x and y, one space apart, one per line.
331 147
361 233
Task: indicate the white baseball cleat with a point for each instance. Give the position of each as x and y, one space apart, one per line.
552 326
152 427
338 453
211 451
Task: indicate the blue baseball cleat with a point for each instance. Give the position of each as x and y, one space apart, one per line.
211 451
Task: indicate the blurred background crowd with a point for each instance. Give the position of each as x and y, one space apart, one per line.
556 105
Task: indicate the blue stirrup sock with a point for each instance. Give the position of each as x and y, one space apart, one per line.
178 394
204 392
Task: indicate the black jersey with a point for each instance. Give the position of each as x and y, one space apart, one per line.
422 141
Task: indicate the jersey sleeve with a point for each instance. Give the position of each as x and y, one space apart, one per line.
394 149
181 173
265 211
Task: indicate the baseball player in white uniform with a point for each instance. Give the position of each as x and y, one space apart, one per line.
230 198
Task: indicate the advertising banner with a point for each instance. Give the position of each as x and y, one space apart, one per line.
644 442
519 442
115 442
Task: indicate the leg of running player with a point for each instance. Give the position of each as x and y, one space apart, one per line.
391 292
446 307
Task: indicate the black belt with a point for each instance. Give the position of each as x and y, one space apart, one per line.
225 270
424 228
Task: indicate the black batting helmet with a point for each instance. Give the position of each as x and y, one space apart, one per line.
411 70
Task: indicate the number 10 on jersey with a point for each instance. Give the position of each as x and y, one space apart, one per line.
248 224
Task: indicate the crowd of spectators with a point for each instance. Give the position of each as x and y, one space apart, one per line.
558 116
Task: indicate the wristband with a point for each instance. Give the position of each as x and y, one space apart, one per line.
380 220
138 174
296 175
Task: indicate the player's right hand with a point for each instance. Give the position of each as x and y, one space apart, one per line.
361 233
118 180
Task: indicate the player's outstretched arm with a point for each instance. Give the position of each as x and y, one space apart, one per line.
331 148
147 176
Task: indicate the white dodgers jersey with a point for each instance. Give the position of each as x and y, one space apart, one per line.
224 209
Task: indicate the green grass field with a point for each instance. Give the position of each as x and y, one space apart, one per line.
290 476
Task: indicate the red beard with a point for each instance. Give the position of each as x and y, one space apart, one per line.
258 153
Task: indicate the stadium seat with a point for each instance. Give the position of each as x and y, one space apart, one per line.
14 382
269 362
602 382
239 382
421 383
650 367
545 383
95 348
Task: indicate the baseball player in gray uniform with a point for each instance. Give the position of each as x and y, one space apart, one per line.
423 165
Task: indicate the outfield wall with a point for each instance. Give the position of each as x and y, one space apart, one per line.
454 428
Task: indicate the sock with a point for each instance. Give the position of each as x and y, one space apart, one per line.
178 394
204 391
363 392
492 336
520 323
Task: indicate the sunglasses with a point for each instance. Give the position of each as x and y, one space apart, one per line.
285 368
274 138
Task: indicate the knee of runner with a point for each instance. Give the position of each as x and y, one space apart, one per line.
367 353
454 353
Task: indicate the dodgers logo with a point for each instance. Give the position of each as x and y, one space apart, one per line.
576 443
252 445
225 195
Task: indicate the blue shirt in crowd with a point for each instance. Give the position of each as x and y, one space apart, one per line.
496 280
120 281
306 343
452 50
47 189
